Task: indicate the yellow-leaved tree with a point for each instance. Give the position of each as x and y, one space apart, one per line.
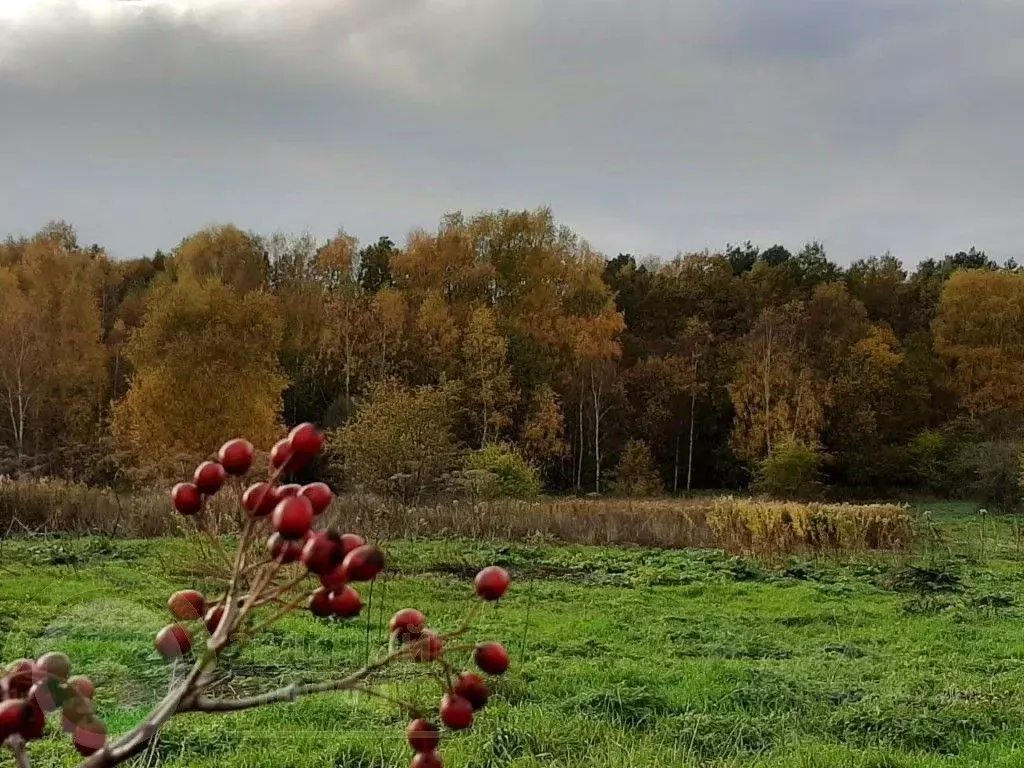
53 384
490 393
979 333
205 369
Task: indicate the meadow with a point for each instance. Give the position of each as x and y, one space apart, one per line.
622 656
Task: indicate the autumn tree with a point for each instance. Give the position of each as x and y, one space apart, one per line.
595 348
52 359
388 319
205 368
776 393
400 441
297 280
234 257
487 377
636 473
345 326
543 435
979 333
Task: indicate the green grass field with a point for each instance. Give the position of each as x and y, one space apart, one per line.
622 657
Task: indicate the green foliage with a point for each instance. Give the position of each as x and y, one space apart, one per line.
792 471
990 472
516 477
927 452
636 474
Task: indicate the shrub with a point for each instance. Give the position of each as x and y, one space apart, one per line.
636 474
990 472
792 470
927 458
516 477
400 442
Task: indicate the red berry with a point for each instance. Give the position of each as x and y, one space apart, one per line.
322 552
260 499
19 677
407 623
422 735
306 439
320 603
350 541
456 712
187 605
492 658
320 496
55 664
429 647
75 711
426 760
33 720
334 580
364 563
492 582
173 640
293 517
213 618
12 713
90 736
473 689
281 453
236 456
285 550
83 686
45 696
286 491
186 498
209 477
346 603
18 716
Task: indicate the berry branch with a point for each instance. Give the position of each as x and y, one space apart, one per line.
285 516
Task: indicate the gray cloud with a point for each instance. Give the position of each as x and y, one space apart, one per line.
649 125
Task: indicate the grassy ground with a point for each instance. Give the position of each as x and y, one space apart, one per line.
622 657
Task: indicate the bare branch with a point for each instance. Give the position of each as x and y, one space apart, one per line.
17 747
293 691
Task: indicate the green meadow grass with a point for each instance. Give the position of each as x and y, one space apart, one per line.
621 657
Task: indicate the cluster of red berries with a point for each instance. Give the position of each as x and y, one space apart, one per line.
337 560
235 458
468 692
30 690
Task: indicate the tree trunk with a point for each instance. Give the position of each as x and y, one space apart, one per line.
675 467
689 452
596 393
579 458
485 396
767 390
693 410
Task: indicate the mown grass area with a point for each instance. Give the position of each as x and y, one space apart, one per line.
622 656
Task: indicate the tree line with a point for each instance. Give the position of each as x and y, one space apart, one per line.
703 371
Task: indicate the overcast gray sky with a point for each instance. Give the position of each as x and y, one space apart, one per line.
649 126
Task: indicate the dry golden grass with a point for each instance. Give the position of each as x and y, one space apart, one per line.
70 508
736 525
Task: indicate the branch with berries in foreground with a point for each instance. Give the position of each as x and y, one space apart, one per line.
263 587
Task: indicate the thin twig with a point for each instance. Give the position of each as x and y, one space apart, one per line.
17 747
291 692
